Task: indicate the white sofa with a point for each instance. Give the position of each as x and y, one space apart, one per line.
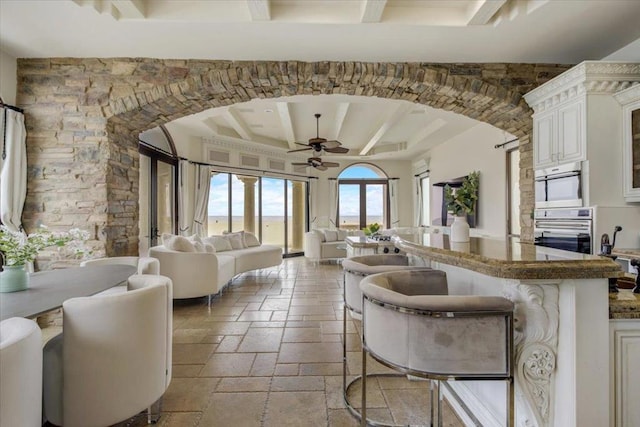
196 274
322 244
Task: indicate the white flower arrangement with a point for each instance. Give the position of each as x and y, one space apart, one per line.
19 248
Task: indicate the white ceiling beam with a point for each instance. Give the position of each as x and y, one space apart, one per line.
423 133
130 9
372 10
287 125
481 12
211 124
341 114
236 122
259 10
392 118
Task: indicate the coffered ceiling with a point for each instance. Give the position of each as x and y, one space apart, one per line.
530 31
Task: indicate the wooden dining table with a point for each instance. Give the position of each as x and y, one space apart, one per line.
48 290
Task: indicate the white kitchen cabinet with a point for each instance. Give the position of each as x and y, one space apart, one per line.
559 134
624 353
630 101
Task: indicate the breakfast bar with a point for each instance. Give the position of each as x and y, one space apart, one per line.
561 325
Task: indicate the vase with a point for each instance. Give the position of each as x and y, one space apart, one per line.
459 229
13 278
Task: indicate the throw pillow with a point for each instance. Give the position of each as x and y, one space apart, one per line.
180 244
197 243
235 236
330 235
166 237
251 240
209 248
342 234
236 240
220 243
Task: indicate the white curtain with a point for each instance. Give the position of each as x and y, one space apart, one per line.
13 169
333 203
417 207
393 202
203 184
185 199
313 192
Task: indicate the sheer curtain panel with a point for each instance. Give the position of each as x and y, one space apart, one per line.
333 203
393 202
203 184
13 169
417 207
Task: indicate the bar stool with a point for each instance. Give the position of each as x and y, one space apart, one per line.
357 268
438 337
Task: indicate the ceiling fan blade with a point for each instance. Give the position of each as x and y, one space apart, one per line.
300 164
301 143
321 167
330 164
299 149
331 144
337 150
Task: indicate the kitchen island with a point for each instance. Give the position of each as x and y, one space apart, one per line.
561 325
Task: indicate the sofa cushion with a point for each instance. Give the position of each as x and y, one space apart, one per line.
330 235
256 257
220 243
342 234
336 249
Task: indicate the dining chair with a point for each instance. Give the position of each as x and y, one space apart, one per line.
20 373
145 265
113 359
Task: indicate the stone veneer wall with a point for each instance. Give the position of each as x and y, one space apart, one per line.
83 118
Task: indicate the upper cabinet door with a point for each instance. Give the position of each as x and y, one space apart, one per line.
571 135
544 139
630 101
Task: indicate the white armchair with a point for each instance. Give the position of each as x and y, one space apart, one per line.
20 373
113 359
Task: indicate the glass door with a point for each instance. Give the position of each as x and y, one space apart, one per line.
273 211
157 198
349 207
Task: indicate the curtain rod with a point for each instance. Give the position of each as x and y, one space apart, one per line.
388 179
11 107
505 143
160 150
421 173
245 169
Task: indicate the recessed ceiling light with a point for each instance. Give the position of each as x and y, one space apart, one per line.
268 110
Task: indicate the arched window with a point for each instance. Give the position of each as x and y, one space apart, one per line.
362 197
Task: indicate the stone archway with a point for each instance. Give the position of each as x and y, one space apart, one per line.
84 117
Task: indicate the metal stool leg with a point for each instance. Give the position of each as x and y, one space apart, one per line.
363 418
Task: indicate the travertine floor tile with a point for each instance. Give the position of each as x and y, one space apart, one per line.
244 384
228 365
302 335
297 383
188 394
234 409
261 340
296 409
192 354
310 352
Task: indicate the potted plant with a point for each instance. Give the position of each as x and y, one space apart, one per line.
18 249
460 203
371 229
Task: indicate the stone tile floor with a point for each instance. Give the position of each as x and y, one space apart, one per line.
269 353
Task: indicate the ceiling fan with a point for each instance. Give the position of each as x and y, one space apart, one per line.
318 144
317 163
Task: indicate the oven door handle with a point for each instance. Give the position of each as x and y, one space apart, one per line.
563 225
564 232
557 176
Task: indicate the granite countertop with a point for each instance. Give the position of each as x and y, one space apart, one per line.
626 253
509 258
624 305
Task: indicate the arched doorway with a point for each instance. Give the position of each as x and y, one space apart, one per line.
123 97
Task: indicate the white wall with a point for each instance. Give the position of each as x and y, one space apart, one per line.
8 78
470 151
